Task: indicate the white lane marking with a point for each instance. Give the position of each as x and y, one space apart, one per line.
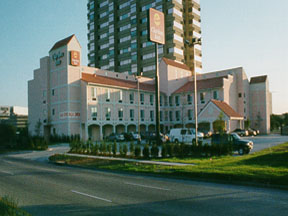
88 195
6 172
147 186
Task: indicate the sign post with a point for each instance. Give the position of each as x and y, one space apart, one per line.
157 35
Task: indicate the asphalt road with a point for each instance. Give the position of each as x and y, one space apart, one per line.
46 189
266 141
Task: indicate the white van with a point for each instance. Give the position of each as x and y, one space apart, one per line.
181 135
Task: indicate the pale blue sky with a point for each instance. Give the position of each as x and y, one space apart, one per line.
248 33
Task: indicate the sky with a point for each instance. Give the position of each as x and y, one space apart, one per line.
248 33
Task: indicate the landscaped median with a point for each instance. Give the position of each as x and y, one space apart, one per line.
9 207
267 167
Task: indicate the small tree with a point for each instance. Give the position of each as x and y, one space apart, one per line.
137 151
132 148
146 151
38 128
125 149
219 125
114 148
154 151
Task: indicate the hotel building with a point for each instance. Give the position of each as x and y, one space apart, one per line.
70 99
118 40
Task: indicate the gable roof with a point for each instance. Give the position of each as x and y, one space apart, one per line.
61 43
202 84
225 108
175 64
258 79
93 78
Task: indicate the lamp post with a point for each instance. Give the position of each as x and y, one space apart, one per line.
138 96
195 41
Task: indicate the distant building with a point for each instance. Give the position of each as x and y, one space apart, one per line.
69 99
118 34
14 115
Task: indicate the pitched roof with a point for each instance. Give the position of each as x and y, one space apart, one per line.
61 43
202 84
175 64
258 79
93 78
228 110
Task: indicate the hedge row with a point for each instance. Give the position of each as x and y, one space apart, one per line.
167 150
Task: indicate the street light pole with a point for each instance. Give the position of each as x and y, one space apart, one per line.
195 41
138 96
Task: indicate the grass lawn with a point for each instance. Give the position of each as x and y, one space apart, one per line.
9 207
269 167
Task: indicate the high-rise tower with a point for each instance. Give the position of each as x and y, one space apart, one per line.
117 34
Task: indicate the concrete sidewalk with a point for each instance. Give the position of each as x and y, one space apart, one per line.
131 160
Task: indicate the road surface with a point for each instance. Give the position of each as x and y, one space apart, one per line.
46 189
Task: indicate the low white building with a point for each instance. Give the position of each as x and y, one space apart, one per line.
70 99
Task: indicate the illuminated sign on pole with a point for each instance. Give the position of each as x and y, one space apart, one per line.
156 26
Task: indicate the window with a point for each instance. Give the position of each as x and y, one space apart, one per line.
53 111
142 115
166 115
190 114
202 97
94 113
120 96
53 92
161 115
120 114
131 114
177 100
170 101
239 95
144 32
189 99
177 114
151 115
107 95
215 95
161 100
93 93
133 45
142 98
108 113
151 100
131 97
171 115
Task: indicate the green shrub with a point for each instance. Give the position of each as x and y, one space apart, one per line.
96 148
137 151
146 151
103 148
120 149
109 149
132 148
170 150
177 150
164 151
125 150
155 151
114 148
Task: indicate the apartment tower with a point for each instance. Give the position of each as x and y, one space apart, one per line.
118 40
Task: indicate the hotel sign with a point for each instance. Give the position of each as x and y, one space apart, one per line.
75 58
156 26
70 115
57 58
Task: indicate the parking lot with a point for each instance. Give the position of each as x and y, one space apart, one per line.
266 141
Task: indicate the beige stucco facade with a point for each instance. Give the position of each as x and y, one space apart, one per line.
78 100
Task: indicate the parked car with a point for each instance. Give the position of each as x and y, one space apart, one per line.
252 132
135 136
207 133
241 132
151 137
183 135
238 144
114 136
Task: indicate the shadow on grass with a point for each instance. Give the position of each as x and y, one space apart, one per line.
278 159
